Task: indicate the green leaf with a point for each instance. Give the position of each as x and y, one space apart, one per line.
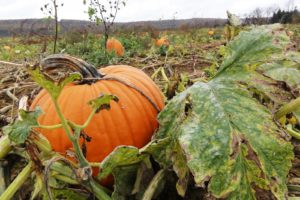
122 155
283 72
228 140
247 56
181 169
125 177
20 130
157 149
103 102
250 49
54 88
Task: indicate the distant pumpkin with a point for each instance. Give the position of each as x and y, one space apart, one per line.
211 32
7 48
290 33
114 45
162 42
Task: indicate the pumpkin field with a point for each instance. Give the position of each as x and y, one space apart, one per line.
187 114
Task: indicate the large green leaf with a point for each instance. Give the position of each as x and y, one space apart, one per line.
246 57
250 49
229 139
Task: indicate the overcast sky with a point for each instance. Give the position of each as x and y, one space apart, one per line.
139 10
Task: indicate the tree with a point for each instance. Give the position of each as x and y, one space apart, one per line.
104 12
284 17
256 17
51 9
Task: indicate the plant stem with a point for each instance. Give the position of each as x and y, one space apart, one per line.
153 185
65 171
42 143
62 169
49 127
17 182
86 123
4 146
74 138
287 108
293 133
2 175
94 164
65 179
99 191
294 188
65 124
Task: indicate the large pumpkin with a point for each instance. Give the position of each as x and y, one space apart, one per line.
130 121
114 45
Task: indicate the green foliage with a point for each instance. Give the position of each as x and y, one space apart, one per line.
102 102
20 130
123 155
250 49
284 71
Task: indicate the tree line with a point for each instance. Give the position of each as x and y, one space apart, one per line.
272 15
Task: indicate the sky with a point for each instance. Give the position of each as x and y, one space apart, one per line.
140 10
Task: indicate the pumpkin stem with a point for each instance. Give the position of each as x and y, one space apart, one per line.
55 61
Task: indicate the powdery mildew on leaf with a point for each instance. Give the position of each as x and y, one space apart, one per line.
231 141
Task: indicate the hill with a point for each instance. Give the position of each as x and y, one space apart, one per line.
45 26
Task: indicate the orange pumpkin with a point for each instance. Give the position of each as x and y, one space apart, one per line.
130 121
211 32
114 45
162 41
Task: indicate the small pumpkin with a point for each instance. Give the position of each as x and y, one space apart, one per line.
162 42
7 48
130 121
211 32
114 45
